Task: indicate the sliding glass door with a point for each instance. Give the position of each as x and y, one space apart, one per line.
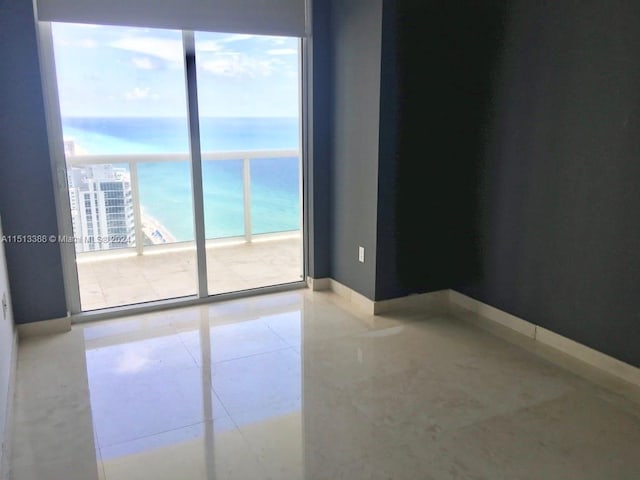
130 168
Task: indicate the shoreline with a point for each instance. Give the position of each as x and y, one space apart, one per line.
155 231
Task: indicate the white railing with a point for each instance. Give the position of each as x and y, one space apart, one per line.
132 161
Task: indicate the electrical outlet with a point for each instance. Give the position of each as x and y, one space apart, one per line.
361 254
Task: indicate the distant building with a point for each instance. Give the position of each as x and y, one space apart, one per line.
69 147
101 206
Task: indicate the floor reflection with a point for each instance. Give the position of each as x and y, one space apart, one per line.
297 386
199 396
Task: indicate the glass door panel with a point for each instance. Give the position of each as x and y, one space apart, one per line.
122 101
248 94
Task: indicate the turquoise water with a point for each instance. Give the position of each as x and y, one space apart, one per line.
165 188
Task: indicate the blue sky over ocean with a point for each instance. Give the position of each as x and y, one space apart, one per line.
122 91
106 71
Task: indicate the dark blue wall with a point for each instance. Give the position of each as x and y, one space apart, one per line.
26 187
446 52
558 190
518 150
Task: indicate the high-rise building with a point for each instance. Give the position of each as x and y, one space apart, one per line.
101 207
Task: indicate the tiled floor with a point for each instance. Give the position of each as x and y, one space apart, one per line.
123 279
298 386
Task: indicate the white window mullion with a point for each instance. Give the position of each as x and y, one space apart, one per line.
191 82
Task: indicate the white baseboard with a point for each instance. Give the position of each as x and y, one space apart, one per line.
590 356
319 284
46 327
358 300
446 300
491 315
433 301
5 446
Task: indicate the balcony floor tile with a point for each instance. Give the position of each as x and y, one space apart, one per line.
125 279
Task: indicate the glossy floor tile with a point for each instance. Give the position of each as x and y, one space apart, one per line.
300 386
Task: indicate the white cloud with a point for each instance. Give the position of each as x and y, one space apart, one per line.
82 42
282 51
143 63
87 43
162 48
278 40
237 37
208 46
236 65
137 93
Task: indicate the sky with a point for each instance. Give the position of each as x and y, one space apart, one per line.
106 71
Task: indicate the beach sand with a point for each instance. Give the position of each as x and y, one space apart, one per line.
155 231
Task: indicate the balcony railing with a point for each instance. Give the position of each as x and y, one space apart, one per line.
133 160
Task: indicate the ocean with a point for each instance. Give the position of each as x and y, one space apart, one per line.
165 187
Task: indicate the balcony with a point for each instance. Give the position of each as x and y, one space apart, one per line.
162 266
